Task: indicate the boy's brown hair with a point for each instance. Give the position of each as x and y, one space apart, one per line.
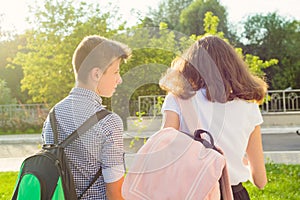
96 51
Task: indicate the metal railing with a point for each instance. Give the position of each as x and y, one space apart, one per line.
276 101
150 105
282 101
25 112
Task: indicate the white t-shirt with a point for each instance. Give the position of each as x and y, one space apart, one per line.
230 124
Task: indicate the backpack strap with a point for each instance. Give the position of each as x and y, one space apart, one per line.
97 175
189 117
208 144
84 127
91 121
75 134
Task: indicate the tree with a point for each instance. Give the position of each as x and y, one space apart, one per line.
12 75
46 57
154 48
153 51
255 64
272 36
5 94
168 11
191 18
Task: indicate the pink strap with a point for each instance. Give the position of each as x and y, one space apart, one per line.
189 114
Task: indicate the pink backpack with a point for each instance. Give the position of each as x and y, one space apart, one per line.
172 165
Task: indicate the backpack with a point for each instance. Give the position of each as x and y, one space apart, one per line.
46 175
174 165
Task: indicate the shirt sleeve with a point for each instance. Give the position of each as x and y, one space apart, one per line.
47 134
256 117
112 156
170 104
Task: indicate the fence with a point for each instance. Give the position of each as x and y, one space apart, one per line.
276 101
25 112
282 101
150 105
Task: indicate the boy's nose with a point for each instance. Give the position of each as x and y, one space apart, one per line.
119 80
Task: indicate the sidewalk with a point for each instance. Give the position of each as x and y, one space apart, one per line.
37 138
15 148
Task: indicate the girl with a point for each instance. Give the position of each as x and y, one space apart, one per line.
210 85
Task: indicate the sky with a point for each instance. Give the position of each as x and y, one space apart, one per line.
15 11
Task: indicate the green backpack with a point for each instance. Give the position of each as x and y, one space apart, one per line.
46 175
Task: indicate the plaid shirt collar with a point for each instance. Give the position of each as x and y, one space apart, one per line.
82 92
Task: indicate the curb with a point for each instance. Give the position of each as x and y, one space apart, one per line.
21 139
37 138
280 130
281 157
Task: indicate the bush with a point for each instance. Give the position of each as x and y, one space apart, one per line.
17 119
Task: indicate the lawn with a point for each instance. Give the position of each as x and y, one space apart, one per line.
283 183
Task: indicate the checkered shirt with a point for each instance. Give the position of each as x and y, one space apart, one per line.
101 146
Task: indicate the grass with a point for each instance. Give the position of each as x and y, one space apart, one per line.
7 180
283 183
15 132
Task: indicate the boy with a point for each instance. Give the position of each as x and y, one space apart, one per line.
96 63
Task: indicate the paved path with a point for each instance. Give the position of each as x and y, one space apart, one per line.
281 145
281 142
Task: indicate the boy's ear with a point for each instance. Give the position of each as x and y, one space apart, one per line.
96 74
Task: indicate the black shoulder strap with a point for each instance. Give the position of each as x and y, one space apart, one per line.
97 175
84 127
79 131
75 134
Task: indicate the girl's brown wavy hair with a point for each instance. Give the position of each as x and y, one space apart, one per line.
213 64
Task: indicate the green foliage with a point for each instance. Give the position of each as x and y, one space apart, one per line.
138 123
5 94
192 17
274 36
12 75
211 23
17 119
158 106
46 57
283 183
153 51
168 11
19 126
255 64
46 52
